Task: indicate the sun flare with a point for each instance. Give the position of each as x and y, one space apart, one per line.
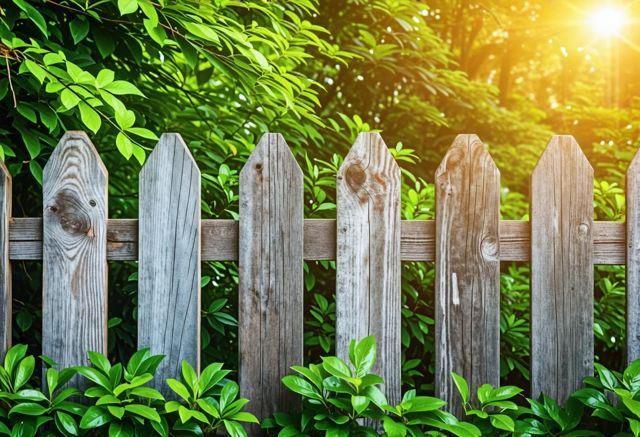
607 21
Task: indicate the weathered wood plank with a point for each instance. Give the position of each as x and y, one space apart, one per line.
74 302
633 259
467 270
561 270
5 265
220 240
368 256
169 258
270 330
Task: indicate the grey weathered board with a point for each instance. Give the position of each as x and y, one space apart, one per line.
368 256
270 331
561 270
74 301
169 258
5 266
220 240
467 270
633 259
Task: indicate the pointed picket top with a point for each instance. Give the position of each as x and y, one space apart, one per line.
74 252
170 147
272 146
5 267
169 258
633 259
368 298
74 148
561 270
369 168
270 291
562 147
467 150
467 269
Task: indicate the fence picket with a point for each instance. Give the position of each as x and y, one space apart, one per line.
368 255
467 269
5 264
561 270
633 259
270 330
74 302
169 254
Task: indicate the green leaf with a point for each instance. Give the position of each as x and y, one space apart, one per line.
90 117
35 69
79 29
359 403
146 392
69 99
234 429
502 421
392 428
127 6
143 411
228 394
365 355
462 386
142 132
36 171
124 144
27 112
633 406
13 356
66 423
95 417
179 388
32 395
24 372
33 15
96 376
122 87
301 387
202 31
29 409
243 416
425 403
336 367
104 78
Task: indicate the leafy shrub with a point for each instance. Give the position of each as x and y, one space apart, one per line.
343 399
116 400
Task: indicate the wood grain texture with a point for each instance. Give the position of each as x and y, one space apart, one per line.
5 265
467 270
220 240
633 259
270 330
561 270
169 258
74 302
368 256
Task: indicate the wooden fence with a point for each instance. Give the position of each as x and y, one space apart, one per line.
467 241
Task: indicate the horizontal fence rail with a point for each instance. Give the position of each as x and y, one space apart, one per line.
467 241
220 240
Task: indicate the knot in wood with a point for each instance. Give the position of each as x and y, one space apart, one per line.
489 247
70 213
356 177
583 229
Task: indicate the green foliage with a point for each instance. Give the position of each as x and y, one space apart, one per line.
206 404
338 397
119 401
122 402
26 410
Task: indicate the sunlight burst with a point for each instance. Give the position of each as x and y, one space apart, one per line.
607 21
